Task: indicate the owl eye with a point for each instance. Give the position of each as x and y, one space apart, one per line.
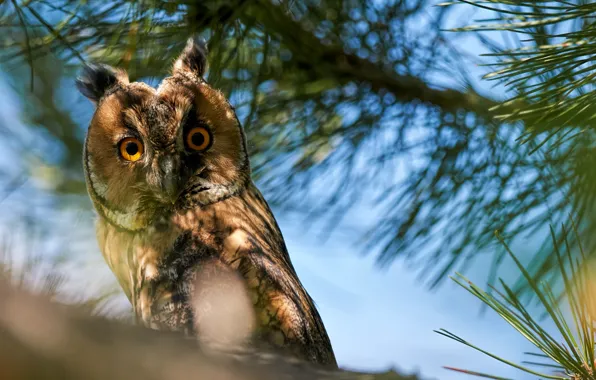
198 138
131 149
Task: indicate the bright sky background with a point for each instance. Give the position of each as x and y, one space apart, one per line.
380 319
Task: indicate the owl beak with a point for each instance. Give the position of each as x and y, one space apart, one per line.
170 179
170 189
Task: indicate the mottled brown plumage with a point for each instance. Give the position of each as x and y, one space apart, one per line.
168 172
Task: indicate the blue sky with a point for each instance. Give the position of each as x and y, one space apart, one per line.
379 319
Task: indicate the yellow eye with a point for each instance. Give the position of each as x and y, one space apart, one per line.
131 149
198 138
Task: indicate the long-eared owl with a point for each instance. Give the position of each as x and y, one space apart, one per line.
168 173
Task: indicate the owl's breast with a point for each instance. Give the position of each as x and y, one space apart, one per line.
155 264
135 257
156 269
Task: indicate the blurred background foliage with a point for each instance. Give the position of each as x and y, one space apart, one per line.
344 102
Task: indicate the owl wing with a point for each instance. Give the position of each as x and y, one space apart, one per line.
286 315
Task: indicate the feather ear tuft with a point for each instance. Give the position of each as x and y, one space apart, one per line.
97 79
193 59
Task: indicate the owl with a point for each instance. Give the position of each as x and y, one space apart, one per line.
169 176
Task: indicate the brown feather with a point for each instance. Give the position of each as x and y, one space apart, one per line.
155 245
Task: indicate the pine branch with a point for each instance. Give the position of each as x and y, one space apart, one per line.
324 61
332 61
41 340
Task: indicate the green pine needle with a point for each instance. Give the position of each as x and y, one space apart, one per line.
551 70
571 347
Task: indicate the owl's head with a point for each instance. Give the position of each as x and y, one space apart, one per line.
150 151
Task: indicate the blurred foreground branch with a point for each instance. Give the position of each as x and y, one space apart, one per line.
42 340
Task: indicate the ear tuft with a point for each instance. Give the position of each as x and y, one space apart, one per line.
193 59
97 79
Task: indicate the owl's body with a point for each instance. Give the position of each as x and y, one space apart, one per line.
168 172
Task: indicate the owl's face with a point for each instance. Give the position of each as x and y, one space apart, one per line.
151 151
